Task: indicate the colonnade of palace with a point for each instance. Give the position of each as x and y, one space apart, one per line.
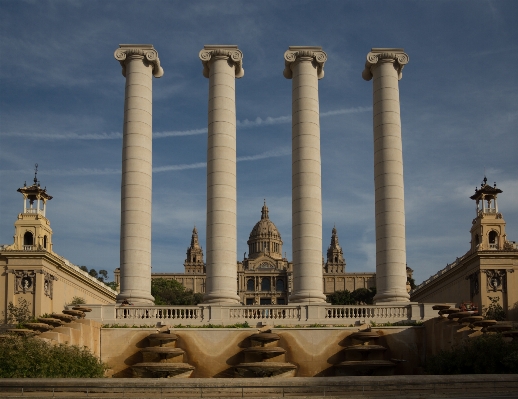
222 65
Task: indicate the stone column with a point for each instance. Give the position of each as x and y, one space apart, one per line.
139 63
305 66
385 65
221 65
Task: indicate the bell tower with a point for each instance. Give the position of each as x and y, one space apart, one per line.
194 262
32 230
335 256
488 229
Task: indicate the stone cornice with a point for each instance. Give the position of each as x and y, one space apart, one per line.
315 53
231 52
394 55
146 51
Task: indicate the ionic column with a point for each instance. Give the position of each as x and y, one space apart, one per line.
139 63
221 65
385 65
305 66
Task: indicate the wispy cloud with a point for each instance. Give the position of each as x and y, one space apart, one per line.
279 152
176 133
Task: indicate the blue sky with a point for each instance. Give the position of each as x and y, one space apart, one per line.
62 94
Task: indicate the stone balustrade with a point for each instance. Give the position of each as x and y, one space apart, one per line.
278 315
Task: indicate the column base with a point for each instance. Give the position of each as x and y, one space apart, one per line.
136 298
392 297
307 297
221 298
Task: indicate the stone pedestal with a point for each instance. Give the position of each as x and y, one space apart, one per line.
139 63
221 65
384 66
304 65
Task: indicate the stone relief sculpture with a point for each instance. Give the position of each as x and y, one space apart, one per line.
24 281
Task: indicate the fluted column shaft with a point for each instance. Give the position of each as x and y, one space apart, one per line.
222 65
385 66
139 63
304 65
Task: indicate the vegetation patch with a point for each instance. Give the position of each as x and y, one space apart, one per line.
485 354
22 357
171 292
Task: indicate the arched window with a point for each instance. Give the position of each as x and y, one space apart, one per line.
336 259
477 239
279 285
250 285
493 239
44 241
265 284
28 238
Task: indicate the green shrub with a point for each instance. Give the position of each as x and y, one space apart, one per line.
77 300
22 357
18 314
494 311
485 354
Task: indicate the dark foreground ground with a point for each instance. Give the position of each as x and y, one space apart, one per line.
430 386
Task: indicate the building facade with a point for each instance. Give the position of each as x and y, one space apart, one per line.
265 276
31 270
488 269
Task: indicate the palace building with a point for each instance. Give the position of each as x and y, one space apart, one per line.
31 270
488 269
265 276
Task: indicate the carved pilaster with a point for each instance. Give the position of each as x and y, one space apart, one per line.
376 55
298 53
233 54
146 51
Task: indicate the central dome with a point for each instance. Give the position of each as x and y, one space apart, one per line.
265 238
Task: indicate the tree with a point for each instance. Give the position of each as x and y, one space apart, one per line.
112 284
77 300
103 276
364 295
84 268
171 292
341 298
411 282
93 273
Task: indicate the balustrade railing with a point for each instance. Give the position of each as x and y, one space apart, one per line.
265 313
367 312
163 313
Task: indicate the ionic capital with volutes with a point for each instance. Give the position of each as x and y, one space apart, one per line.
395 55
231 52
314 54
146 51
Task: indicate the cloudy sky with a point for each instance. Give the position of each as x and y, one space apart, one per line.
62 94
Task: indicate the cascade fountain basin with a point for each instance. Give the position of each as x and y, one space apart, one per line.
364 336
461 315
41 327
265 337
471 319
162 354
77 313
63 317
449 311
82 309
259 353
484 323
51 321
265 370
497 327
441 307
365 367
364 350
162 370
161 339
